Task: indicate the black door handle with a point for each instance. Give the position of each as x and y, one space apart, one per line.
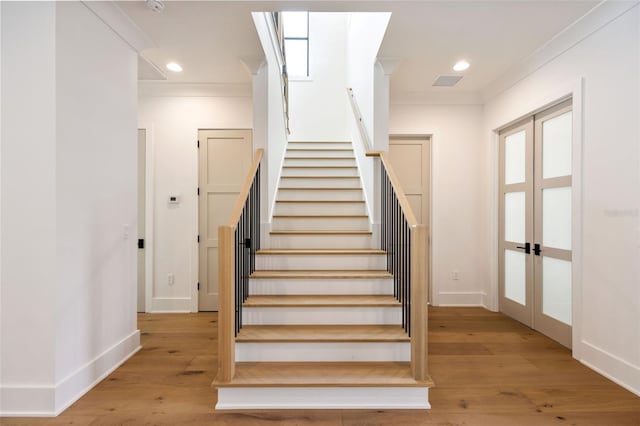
526 248
536 249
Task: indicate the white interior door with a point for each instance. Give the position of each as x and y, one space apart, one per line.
224 160
142 140
411 161
535 222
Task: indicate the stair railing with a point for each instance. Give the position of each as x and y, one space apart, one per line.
238 242
405 242
277 34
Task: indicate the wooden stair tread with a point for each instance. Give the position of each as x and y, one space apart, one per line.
319 158
316 188
321 374
320 201
320 232
319 177
322 300
320 149
320 252
319 167
321 273
322 333
322 216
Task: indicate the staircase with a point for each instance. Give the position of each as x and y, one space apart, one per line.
321 327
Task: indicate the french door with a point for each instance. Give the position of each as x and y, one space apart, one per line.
535 222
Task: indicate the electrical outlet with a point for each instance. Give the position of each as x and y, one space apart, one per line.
171 279
455 275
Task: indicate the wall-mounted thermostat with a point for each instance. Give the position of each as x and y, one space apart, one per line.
174 199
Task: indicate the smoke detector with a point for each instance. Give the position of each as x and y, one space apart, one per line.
447 80
155 5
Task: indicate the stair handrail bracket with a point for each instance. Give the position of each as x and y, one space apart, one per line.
405 241
238 241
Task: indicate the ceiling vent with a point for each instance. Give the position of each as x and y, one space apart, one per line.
447 80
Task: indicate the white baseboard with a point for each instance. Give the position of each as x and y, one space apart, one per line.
612 367
49 401
165 305
461 298
323 398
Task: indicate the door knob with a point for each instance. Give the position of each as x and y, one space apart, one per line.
526 248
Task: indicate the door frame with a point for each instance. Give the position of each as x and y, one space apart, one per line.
529 106
432 296
148 215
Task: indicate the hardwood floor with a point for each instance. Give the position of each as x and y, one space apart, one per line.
488 370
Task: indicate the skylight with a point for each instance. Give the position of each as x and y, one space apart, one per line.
296 43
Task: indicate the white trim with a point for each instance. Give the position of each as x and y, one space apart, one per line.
592 356
461 298
598 17
113 17
325 398
50 401
212 90
148 213
172 305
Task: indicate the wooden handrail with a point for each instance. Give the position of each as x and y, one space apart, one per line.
395 182
244 190
226 279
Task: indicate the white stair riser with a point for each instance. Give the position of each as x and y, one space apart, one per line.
322 241
319 162
323 398
320 224
319 171
321 315
320 208
323 351
311 262
295 153
310 182
327 286
321 195
319 145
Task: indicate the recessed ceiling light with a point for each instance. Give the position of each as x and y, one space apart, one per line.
172 66
461 66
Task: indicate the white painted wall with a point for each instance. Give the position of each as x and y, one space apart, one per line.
175 120
607 65
28 228
319 105
270 119
68 190
457 184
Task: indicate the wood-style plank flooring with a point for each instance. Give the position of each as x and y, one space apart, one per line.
488 370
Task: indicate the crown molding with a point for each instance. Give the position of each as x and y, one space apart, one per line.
109 13
150 89
598 17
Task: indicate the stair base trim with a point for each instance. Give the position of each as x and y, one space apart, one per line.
323 398
323 352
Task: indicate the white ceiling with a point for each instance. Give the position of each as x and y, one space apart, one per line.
208 38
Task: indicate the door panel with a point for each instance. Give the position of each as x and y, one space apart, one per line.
142 141
411 161
553 195
225 158
516 221
535 222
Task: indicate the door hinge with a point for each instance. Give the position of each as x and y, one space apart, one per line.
198 238
141 243
198 286
198 191
198 144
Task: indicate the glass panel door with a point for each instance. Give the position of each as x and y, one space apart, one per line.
552 225
516 221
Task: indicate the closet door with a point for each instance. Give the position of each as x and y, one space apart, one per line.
552 224
516 222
